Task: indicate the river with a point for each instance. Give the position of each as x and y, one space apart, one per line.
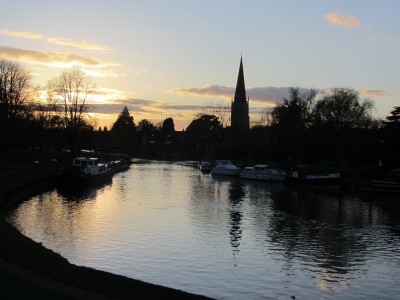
226 238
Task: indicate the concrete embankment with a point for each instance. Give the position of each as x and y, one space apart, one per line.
27 264
18 185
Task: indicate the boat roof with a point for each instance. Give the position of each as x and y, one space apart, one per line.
223 161
86 158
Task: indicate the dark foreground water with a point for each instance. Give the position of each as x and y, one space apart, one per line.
170 224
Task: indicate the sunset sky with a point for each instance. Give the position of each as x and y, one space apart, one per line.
170 58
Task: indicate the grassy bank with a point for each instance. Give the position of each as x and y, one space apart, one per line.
35 262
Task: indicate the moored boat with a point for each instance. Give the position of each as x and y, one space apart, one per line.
263 172
225 167
88 170
121 165
389 184
312 177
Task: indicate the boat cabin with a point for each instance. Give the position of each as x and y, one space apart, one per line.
89 165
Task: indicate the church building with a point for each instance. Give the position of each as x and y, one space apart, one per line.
240 105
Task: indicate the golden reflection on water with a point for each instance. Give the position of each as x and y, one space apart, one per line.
329 282
223 237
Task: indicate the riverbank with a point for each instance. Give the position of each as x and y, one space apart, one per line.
30 271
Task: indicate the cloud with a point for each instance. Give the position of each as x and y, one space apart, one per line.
105 108
60 59
179 107
21 34
267 95
336 19
376 93
111 101
85 45
206 91
142 107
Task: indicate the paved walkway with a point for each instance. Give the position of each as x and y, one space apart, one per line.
42 281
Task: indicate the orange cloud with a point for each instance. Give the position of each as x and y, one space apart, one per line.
48 57
336 19
85 45
376 93
21 34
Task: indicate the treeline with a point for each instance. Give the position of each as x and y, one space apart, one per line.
58 119
335 127
305 128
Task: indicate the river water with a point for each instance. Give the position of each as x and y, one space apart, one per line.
226 238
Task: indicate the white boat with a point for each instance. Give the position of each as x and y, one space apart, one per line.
225 167
263 172
89 170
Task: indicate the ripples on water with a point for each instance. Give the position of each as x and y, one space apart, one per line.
225 238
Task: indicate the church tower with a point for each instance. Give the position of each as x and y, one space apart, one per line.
240 105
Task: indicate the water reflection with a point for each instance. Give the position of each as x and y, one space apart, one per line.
327 231
73 192
236 194
224 237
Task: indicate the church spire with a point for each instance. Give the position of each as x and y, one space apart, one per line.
240 93
240 104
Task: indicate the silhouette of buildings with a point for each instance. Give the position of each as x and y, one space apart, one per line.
240 104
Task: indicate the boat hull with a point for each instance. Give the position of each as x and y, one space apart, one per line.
263 176
225 172
385 186
84 179
315 181
225 168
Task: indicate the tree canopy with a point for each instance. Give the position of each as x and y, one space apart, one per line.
393 120
14 92
71 89
146 126
168 125
342 108
124 122
204 124
295 111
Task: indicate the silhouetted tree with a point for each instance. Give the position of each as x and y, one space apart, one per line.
339 114
291 118
146 126
342 108
218 109
124 122
124 131
14 92
294 112
389 141
71 89
46 117
168 126
204 124
393 120
202 135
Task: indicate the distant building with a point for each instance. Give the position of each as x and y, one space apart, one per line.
240 105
